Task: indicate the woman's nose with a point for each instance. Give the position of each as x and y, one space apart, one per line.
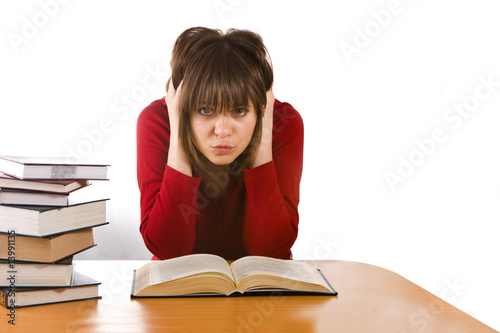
222 126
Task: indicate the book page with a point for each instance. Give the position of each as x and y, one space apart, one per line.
176 268
289 269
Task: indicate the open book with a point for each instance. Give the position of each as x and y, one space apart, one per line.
207 274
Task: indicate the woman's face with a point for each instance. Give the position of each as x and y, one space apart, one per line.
222 137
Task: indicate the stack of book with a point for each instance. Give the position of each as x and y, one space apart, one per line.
41 230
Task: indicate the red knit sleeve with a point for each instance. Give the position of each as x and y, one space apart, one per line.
168 220
271 217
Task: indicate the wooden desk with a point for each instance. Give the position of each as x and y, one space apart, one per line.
371 299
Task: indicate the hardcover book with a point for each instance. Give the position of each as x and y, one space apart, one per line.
49 186
48 249
81 288
211 275
35 274
26 167
23 197
49 220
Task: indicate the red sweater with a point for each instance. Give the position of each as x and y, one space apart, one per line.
255 217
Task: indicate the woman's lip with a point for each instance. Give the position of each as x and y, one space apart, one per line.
222 149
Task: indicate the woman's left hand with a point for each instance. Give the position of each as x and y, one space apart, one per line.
265 150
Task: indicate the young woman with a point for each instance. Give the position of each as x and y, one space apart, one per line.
219 160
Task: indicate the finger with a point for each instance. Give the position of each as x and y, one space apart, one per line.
169 85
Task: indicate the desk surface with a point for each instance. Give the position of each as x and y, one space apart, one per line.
371 299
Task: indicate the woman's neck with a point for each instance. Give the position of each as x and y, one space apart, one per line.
216 179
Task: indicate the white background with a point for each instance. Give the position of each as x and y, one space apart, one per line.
75 76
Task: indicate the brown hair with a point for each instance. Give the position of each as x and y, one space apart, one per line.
220 71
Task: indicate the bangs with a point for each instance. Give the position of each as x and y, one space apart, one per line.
223 82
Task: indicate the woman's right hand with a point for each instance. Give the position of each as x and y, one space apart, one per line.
177 158
172 100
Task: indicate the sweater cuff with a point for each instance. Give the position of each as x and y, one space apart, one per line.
254 177
179 178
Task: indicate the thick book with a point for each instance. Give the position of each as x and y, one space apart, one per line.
48 186
81 288
46 249
36 275
50 220
27 167
211 275
24 197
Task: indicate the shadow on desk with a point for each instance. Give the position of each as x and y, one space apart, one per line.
234 314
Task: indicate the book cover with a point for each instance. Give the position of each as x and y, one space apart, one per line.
27 167
37 198
81 288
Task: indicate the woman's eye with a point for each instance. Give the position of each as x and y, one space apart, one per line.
240 112
204 111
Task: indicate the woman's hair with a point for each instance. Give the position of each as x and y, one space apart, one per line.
220 71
